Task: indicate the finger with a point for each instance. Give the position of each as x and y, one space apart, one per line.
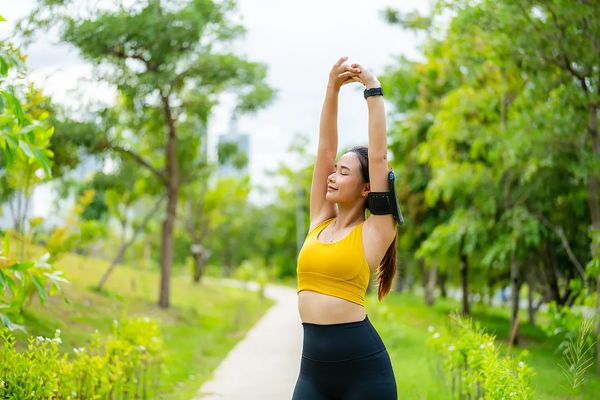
341 61
347 81
353 69
346 75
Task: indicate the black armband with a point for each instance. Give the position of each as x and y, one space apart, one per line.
381 203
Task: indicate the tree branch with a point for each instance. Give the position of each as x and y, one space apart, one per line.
121 54
565 243
139 159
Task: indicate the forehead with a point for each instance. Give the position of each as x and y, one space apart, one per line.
348 161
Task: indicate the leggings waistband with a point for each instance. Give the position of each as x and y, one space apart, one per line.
340 342
342 324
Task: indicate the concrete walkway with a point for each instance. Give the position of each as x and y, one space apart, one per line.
265 364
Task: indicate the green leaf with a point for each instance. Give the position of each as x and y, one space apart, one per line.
16 105
40 289
3 67
2 281
21 266
44 162
6 245
12 142
26 149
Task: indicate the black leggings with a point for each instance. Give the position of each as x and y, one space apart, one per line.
345 361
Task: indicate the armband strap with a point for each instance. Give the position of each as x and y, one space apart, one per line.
381 203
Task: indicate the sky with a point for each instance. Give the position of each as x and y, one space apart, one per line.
298 41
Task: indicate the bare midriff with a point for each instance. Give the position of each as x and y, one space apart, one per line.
319 308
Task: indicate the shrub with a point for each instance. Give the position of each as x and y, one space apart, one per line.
473 366
126 365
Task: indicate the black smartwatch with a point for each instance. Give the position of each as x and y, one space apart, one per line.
376 91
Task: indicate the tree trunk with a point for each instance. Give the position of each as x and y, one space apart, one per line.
464 276
442 280
400 276
430 280
166 248
199 260
123 241
550 275
530 283
515 281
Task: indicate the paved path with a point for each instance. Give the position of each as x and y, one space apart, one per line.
265 364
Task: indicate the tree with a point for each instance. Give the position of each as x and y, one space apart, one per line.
163 59
492 138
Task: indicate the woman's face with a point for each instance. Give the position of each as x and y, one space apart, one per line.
345 184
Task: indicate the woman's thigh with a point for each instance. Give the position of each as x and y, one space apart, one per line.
370 378
304 390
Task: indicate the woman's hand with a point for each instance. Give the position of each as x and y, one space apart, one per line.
342 74
366 77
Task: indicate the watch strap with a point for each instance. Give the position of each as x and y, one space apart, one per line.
376 91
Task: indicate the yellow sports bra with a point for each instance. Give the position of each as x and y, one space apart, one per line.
337 269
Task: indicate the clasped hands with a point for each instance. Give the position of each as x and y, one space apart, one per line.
342 74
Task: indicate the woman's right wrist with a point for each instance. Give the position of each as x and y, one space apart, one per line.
332 88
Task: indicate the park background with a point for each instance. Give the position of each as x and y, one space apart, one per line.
154 150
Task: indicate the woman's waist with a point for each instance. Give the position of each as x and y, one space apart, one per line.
320 308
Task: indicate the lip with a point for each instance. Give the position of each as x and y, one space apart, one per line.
331 189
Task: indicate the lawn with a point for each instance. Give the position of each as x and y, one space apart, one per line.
203 324
402 320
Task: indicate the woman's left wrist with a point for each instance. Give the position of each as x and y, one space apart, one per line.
373 83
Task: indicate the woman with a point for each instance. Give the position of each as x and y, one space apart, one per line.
343 356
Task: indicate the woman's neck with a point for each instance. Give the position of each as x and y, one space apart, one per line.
349 215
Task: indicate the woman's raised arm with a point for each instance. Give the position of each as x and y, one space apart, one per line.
320 208
381 227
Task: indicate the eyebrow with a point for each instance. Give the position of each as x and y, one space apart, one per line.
342 166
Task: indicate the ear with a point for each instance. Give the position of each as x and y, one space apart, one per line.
366 190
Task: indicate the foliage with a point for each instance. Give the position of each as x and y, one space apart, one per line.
20 280
473 366
24 140
126 365
578 355
169 63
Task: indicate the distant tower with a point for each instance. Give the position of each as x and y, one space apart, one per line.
234 139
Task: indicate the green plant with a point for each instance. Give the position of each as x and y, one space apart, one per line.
126 365
19 280
578 355
473 365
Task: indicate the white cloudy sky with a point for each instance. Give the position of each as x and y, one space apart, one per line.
297 40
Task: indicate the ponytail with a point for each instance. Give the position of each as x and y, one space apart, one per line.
386 271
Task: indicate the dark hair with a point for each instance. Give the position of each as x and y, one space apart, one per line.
387 268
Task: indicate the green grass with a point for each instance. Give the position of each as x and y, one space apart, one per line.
402 320
202 325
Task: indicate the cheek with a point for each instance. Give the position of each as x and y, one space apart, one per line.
349 183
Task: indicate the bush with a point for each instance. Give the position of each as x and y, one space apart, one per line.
471 363
126 365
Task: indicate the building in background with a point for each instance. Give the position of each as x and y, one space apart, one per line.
233 151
